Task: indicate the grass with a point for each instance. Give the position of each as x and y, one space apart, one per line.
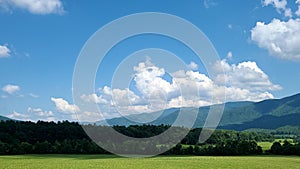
165 162
267 145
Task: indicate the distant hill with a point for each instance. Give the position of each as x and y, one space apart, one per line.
2 118
267 114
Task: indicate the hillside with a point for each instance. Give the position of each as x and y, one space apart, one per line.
267 114
2 118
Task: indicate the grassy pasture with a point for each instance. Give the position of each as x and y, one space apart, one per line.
165 162
267 145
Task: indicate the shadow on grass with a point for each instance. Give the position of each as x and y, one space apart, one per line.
62 156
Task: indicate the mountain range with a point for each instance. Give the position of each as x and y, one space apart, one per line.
2 118
266 114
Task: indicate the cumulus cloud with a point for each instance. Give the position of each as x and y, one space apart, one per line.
193 66
87 116
42 115
280 6
280 38
149 80
242 81
93 98
11 89
18 116
245 75
229 55
34 6
4 51
64 107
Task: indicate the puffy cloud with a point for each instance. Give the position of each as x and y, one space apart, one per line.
193 84
182 102
149 80
35 6
245 75
280 38
245 81
193 66
64 107
280 6
298 11
120 97
40 112
4 51
42 115
87 116
10 89
239 94
18 116
229 55
93 98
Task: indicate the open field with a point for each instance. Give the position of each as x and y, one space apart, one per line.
267 145
113 162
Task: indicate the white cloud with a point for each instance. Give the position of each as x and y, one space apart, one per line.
42 115
10 89
18 116
64 107
209 3
280 38
229 55
245 81
124 97
193 66
40 112
193 84
245 75
280 6
34 95
34 6
93 98
87 116
4 51
298 11
149 80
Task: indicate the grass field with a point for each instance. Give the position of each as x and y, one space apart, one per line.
165 162
267 145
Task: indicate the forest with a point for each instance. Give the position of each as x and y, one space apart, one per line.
18 137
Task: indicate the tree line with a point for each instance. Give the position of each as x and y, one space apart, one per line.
18 137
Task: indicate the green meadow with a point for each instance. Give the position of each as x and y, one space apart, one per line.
267 145
164 162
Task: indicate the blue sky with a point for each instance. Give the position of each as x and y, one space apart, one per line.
40 42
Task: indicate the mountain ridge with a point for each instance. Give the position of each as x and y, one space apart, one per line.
3 118
242 115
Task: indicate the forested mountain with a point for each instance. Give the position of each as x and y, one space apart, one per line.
267 114
2 118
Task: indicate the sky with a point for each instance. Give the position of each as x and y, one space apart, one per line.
257 42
